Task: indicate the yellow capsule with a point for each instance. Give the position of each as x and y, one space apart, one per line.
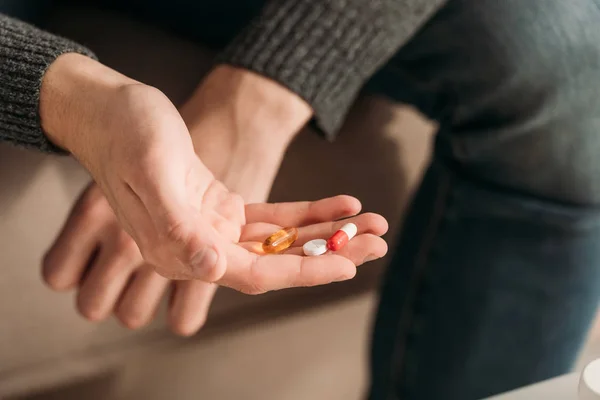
280 240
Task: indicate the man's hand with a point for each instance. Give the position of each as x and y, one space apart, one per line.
95 255
241 124
138 149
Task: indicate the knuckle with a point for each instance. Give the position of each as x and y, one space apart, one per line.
191 252
126 245
187 246
182 251
178 233
91 208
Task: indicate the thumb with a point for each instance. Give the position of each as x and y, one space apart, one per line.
193 242
184 245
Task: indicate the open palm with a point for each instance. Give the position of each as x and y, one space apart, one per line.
252 271
243 228
95 255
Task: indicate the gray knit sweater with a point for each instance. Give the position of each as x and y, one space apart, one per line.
323 50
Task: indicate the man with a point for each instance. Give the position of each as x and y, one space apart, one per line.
494 280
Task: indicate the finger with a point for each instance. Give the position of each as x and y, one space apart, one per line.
361 249
303 212
185 246
226 228
142 297
105 282
253 274
189 307
275 272
292 269
368 223
228 205
76 245
364 248
365 223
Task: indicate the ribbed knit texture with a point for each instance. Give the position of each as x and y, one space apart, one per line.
25 55
323 50
326 50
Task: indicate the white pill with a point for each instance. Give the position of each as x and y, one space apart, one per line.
350 229
315 247
589 382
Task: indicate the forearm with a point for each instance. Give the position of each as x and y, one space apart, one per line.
325 50
25 55
241 124
75 91
254 109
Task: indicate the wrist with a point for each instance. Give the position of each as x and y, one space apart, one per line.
256 110
251 174
241 124
74 91
247 167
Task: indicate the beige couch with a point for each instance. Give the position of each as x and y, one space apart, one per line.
44 344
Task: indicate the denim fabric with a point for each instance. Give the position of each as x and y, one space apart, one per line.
495 278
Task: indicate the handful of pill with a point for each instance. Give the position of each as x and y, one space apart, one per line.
284 238
315 247
338 240
280 240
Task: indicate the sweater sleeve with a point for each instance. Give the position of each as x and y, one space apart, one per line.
326 50
25 54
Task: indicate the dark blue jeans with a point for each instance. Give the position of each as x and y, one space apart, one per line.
495 278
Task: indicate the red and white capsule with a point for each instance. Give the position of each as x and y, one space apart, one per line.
341 237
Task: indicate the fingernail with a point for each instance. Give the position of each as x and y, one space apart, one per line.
204 262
